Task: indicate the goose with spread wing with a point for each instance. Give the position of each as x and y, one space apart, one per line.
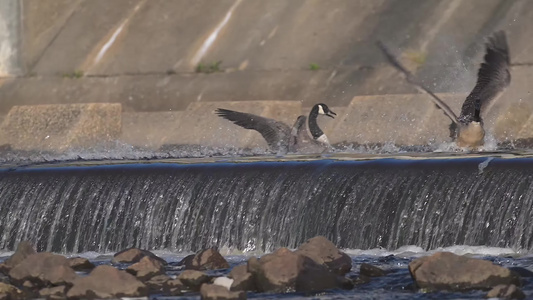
493 78
278 135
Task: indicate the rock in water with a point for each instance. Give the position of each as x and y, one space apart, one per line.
24 249
283 271
242 279
223 281
43 269
157 283
146 268
133 255
107 282
209 259
217 292
193 279
447 271
80 264
323 251
503 291
174 287
57 292
10 292
371 271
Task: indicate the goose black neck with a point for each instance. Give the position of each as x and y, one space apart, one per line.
477 111
316 132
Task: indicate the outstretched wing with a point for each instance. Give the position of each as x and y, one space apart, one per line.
411 79
492 78
275 133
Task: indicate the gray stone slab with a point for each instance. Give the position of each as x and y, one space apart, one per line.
61 127
175 92
10 38
513 110
83 36
385 118
164 35
151 129
519 22
43 21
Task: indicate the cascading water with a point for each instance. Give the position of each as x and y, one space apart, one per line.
263 205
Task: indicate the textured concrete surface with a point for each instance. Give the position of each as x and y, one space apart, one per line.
60 127
134 50
10 38
144 55
199 125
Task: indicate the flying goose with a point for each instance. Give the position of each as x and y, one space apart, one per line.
278 135
492 79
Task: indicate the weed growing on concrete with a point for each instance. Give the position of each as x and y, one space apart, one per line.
313 67
73 75
419 58
209 68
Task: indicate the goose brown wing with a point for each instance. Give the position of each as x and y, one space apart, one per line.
275 133
492 79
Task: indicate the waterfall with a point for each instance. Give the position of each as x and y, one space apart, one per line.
263 205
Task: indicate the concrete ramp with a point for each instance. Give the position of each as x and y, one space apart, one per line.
60 127
410 119
413 119
198 124
405 119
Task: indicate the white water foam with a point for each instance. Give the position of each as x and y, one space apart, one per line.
416 251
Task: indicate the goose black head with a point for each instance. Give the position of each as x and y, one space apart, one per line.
323 109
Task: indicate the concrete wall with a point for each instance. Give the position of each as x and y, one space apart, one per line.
144 54
10 35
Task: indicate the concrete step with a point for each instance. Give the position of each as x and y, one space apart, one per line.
198 124
61 127
408 119
151 129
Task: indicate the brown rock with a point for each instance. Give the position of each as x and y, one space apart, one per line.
187 261
133 255
503 291
174 287
242 279
28 285
157 282
447 271
107 282
57 292
43 269
371 271
146 268
80 264
4 268
10 292
284 271
322 251
361 279
216 292
193 279
24 249
209 259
